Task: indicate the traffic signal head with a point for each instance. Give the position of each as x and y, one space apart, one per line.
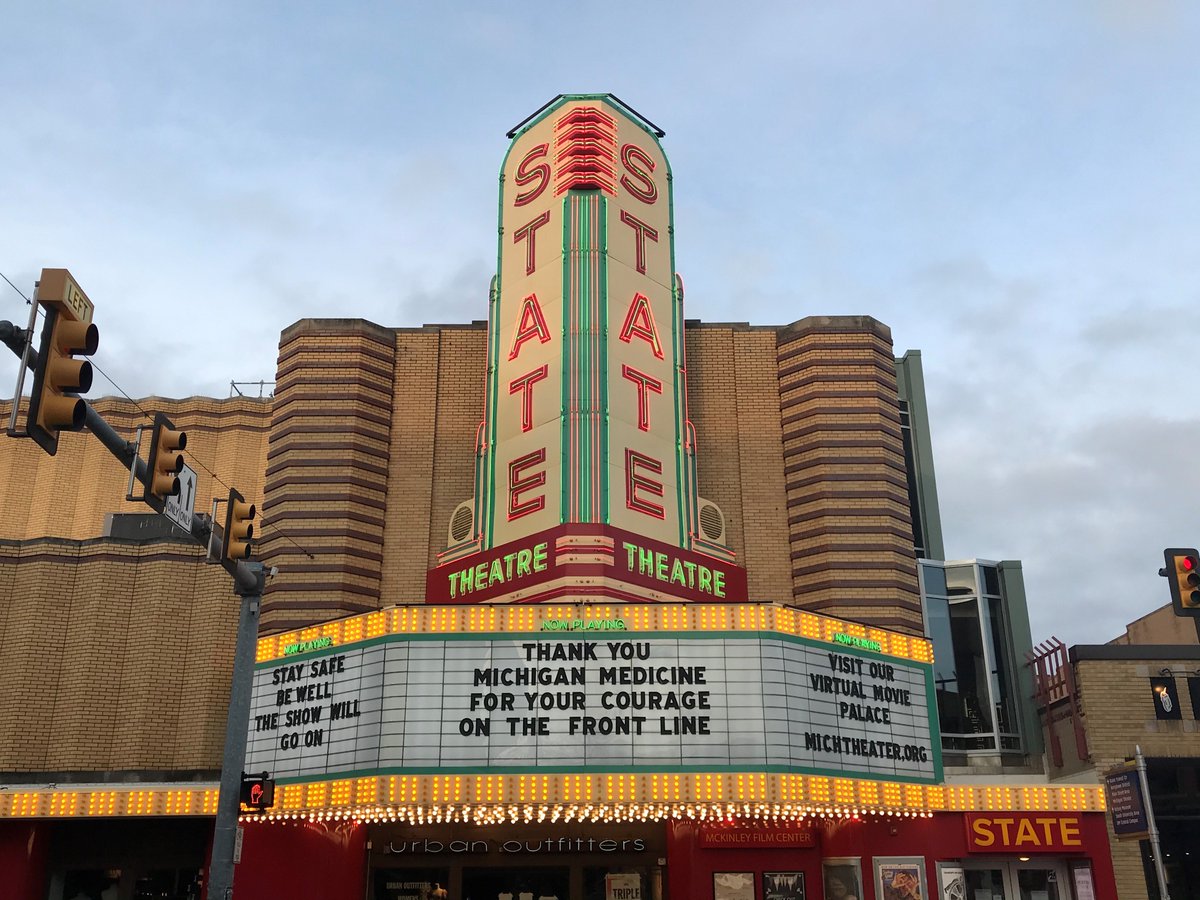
165 462
235 543
1183 573
58 376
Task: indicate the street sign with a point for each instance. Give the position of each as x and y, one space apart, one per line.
179 508
1125 803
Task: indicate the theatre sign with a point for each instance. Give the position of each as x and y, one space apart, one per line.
588 621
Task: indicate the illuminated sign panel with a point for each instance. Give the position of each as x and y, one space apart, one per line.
574 561
585 418
652 701
1023 832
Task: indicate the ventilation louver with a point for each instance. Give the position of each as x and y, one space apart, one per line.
712 522
462 522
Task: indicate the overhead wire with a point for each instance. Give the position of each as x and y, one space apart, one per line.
191 455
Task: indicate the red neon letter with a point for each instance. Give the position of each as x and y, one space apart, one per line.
634 482
539 173
524 385
631 155
645 384
639 322
641 231
532 325
519 482
528 230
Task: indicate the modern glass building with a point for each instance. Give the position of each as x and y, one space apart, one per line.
977 618
975 614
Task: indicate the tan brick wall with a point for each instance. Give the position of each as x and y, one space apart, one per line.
69 495
1119 714
1159 627
113 655
458 407
733 402
369 445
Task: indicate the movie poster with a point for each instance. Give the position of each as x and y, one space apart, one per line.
843 880
733 886
901 878
783 886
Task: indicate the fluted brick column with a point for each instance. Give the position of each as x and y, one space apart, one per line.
325 498
848 514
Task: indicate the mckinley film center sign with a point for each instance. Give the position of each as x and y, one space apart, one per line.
597 701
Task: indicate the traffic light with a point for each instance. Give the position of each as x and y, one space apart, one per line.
258 791
58 377
235 543
1183 573
165 461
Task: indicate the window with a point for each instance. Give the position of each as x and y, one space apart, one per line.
1165 694
975 673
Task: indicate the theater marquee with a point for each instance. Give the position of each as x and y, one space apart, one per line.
701 695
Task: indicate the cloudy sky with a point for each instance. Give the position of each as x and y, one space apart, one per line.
1013 187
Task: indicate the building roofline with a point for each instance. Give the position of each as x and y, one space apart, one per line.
1133 652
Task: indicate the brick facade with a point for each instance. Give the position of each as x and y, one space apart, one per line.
119 649
113 656
1118 711
849 520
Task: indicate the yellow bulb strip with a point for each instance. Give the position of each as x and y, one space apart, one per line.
590 798
561 620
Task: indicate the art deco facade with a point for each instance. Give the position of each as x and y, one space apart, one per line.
383 453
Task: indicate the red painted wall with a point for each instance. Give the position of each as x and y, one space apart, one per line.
23 848
940 838
302 861
690 866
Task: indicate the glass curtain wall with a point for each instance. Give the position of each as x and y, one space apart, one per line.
974 669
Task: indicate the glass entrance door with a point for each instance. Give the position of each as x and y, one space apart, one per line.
984 883
1039 882
1016 880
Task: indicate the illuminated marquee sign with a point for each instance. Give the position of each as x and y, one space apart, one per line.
585 420
651 701
577 561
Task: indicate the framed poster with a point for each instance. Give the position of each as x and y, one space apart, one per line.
900 878
953 881
843 878
623 886
733 886
1081 877
783 886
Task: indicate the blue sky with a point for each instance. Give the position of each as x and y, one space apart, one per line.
1013 188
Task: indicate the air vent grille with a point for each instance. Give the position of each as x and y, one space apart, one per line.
462 522
712 522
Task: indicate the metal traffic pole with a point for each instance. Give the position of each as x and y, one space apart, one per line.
1151 827
248 583
24 353
249 579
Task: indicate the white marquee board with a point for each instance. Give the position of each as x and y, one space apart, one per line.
432 704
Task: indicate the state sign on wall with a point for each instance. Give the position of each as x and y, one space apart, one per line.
603 700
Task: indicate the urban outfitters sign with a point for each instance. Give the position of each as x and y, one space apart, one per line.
654 701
